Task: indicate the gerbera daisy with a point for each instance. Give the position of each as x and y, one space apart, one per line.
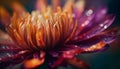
54 34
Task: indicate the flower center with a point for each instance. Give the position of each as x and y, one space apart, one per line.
42 30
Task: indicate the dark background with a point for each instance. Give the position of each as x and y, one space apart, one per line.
109 59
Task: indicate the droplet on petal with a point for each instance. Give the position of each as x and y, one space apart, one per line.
89 12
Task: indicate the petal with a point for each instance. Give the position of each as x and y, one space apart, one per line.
101 46
107 37
68 6
95 28
6 40
96 43
18 8
5 16
8 49
79 8
9 57
41 5
33 63
55 4
84 22
36 61
100 14
69 53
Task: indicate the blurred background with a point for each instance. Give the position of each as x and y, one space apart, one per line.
109 59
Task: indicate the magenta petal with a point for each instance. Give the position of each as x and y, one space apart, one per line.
83 23
104 37
96 28
107 37
100 14
13 57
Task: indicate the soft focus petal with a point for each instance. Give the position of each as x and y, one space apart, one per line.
18 8
55 4
6 40
68 7
79 8
100 14
4 16
41 5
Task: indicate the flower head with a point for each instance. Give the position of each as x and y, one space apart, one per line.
54 34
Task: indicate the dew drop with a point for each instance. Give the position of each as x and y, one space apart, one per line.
89 12
105 26
101 25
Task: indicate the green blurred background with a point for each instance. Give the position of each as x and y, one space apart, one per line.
109 59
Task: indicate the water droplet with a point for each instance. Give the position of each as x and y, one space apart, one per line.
88 36
76 46
105 26
21 52
85 23
101 25
89 12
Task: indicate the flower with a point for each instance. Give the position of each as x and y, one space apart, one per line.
54 34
